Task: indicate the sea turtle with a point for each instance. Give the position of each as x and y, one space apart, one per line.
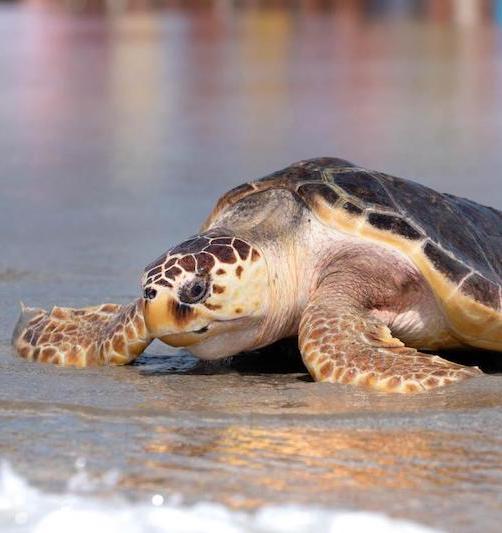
365 268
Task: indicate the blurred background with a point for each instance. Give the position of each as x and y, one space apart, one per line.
122 121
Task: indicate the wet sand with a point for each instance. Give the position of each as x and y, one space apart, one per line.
121 134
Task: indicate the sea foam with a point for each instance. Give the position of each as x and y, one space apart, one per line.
24 508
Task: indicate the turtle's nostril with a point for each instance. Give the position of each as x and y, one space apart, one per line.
149 293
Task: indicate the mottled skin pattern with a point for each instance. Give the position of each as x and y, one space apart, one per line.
369 271
205 272
112 334
107 334
199 254
340 341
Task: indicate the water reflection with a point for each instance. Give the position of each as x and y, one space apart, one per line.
135 70
291 462
201 99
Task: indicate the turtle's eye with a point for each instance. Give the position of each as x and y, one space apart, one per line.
149 293
194 290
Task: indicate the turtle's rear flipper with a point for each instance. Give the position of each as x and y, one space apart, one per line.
108 334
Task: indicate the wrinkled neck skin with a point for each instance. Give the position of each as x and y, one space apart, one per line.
296 264
283 231
290 274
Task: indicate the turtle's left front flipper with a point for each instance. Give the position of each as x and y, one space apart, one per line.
107 334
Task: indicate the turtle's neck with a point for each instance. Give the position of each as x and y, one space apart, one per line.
285 288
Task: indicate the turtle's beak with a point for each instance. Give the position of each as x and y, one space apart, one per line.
173 322
182 340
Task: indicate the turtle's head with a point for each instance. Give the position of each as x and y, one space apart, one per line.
209 294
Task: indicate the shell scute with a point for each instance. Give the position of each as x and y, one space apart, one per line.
352 209
459 226
309 170
326 163
365 187
394 224
448 266
287 177
310 191
482 290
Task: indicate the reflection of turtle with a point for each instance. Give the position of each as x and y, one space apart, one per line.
365 268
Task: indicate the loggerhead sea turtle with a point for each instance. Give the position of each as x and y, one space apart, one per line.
365 268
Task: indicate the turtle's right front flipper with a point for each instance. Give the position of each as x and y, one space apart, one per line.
108 334
341 341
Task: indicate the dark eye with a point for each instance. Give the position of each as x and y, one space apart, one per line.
149 293
193 291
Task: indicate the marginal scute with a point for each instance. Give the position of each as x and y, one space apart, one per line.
469 231
309 192
352 209
394 224
307 170
484 224
454 270
482 290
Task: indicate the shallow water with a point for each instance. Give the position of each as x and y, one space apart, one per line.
121 132
23 508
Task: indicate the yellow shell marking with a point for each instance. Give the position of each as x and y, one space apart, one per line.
472 321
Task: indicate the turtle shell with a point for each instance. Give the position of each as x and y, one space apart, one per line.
455 243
